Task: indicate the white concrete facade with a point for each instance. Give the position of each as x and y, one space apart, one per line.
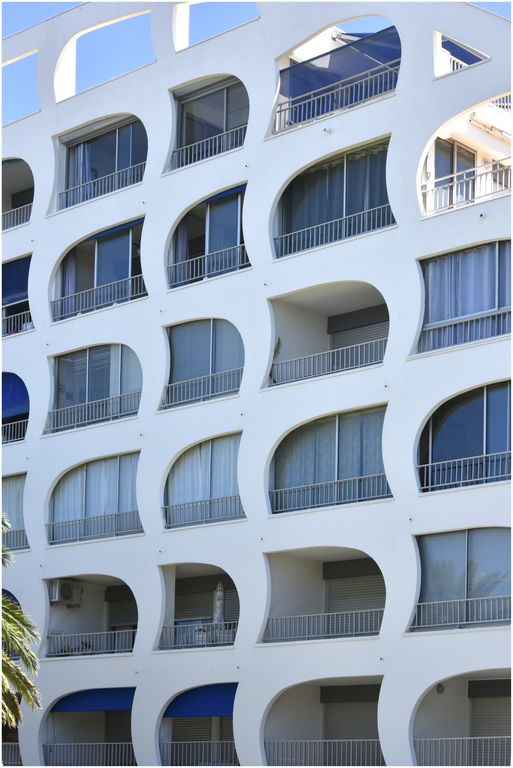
256 550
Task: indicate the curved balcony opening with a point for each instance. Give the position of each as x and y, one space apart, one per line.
207 361
467 440
202 485
328 329
90 615
202 608
17 193
469 159
324 593
101 271
209 240
101 158
453 55
336 70
94 385
325 722
15 408
465 579
339 198
90 727
212 119
334 460
16 317
197 727
96 500
467 296
465 720
13 488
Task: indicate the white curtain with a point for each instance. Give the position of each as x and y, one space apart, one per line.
225 451
228 347
127 501
68 496
102 487
12 500
360 452
189 476
131 372
307 455
505 273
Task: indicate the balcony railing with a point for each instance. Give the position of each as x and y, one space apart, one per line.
202 150
460 613
113 753
95 298
450 333
210 265
91 643
331 231
455 473
503 102
17 323
324 752
323 363
14 431
323 625
16 216
198 635
108 409
15 539
465 187
185 753
456 64
202 512
11 754
470 750
100 527
340 95
326 494
102 186
202 388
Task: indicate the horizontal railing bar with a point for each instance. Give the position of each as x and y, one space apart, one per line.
188 753
89 753
14 431
201 388
455 331
208 265
459 612
103 185
15 538
11 754
15 217
472 170
206 148
18 323
82 414
100 526
465 470
91 643
324 625
465 750
325 752
95 298
198 635
203 511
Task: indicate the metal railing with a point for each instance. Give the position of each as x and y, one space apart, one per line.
467 186
456 64
459 613
332 231
202 150
472 470
186 753
323 625
101 527
209 265
15 539
201 512
11 754
342 359
17 323
324 752
108 409
469 750
450 333
202 388
113 753
14 431
336 96
503 102
91 643
334 492
96 298
16 216
198 635
102 186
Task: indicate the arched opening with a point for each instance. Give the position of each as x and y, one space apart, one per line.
15 408
17 193
207 361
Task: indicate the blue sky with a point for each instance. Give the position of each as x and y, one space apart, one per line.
206 20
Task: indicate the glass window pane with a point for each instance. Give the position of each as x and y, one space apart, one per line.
71 379
443 566
12 500
223 481
131 372
497 418
102 487
190 350
223 230
458 428
307 455
443 158
489 562
204 117
99 373
139 143
505 274
465 159
99 156
127 501
68 498
113 258
228 350
15 281
237 107
124 146
357 184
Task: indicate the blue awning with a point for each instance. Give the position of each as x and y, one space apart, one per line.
113 230
206 701
463 54
15 399
96 700
15 281
226 193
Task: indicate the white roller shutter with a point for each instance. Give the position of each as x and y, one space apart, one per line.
195 605
231 605
356 593
352 720
491 716
359 335
192 729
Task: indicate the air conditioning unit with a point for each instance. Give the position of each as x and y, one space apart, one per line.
65 592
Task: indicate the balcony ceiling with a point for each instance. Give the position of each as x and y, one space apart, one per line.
335 299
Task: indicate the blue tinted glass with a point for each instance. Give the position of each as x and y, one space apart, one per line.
458 427
505 274
489 562
113 258
497 418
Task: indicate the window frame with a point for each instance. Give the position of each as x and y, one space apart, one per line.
182 101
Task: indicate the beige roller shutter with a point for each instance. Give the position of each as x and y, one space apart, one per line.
352 720
359 335
192 729
195 605
231 605
491 716
356 593
226 730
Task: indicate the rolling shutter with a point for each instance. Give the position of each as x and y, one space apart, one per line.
192 729
491 716
359 335
358 593
351 720
231 605
194 605
226 729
